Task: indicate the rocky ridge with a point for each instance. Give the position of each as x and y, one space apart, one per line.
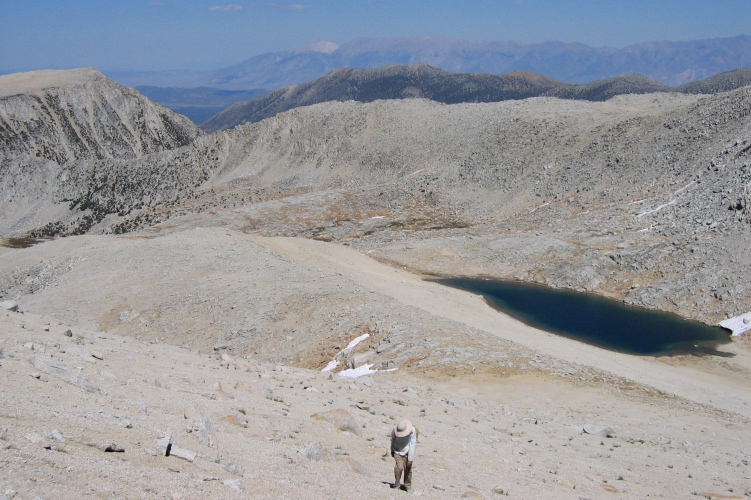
54 128
81 115
721 82
389 82
424 81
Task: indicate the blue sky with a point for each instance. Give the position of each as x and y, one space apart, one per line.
121 35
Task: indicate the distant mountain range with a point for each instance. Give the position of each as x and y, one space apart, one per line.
670 63
424 81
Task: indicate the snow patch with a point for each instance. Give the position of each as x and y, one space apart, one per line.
356 341
335 362
658 208
738 325
357 372
361 371
332 364
685 187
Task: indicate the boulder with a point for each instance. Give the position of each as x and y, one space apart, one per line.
358 360
183 453
599 430
235 484
9 305
67 375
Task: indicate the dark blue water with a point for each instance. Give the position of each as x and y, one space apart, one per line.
596 320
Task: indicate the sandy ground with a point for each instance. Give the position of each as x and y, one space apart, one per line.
678 428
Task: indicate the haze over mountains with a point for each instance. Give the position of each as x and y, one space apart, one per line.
661 63
200 103
671 63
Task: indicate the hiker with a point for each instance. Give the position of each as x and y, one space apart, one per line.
403 445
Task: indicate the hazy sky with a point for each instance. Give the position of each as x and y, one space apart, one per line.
206 34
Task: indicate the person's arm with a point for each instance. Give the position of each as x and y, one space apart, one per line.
412 447
393 441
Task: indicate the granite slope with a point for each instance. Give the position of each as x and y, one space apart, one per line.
79 114
642 198
212 341
53 123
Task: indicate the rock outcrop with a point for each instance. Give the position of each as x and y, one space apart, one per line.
81 115
54 128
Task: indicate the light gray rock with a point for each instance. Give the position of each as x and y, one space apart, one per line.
341 419
234 469
599 430
358 360
235 484
70 376
183 453
201 425
164 445
57 435
168 448
8 494
382 346
35 437
313 451
35 347
9 305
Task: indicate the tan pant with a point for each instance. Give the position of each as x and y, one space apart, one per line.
401 465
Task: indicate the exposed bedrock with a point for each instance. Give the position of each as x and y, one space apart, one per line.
643 198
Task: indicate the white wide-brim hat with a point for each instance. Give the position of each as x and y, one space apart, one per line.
403 428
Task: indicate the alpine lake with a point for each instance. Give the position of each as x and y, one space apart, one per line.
597 321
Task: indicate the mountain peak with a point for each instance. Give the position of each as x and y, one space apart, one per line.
319 46
43 79
57 115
